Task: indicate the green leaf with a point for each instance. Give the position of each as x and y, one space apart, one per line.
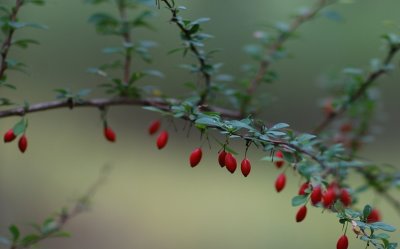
30 239
383 226
279 126
20 127
208 122
200 21
299 200
14 232
366 211
24 43
36 2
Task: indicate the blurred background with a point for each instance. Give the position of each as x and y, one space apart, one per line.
153 199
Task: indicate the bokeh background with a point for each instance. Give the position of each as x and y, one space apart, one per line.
153 199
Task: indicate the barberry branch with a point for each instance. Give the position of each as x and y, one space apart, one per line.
187 34
102 103
369 81
5 47
54 226
274 48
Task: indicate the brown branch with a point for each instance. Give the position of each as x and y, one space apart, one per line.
372 77
101 103
200 57
5 47
273 48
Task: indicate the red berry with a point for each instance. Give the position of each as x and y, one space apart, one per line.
9 136
329 198
346 127
109 134
245 167
280 182
316 195
301 214
221 158
230 162
343 242
154 127
195 157
303 188
328 107
279 163
162 140
345 197
374 216
23 143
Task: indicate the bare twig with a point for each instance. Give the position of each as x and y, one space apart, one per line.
61 220
273 48
372 77
5 47
199 55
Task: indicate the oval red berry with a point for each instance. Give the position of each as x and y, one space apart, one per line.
328 198
279 162
303 188
345 197
109 134
9 136
221 158
230 162
316 195
162 140
301 214
374 216
154 127
23 143
280 182
245 167
343 242
195 157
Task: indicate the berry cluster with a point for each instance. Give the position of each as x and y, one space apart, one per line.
320 195
10 136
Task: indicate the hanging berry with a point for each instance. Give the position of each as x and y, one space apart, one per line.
279 162
303 188
343 242
230 162
245 167
374 216
195 157
316 195
301 214
154 127
162 140
9 136
109 134
345 197
221 158
23 143
328 198
280 182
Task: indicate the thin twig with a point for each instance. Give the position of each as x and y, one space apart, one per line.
273 48
372 77
200 57
101 103
5 47
64 217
